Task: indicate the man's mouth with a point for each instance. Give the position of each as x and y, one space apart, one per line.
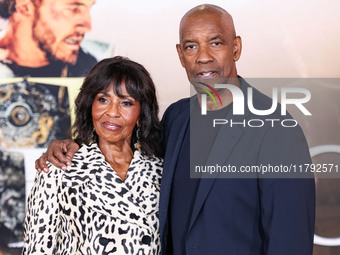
73 40
206 74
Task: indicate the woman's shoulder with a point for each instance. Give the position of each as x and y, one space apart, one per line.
153 160
53 176
84 164
152 166
87 154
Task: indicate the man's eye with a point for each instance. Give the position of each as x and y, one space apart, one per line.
190 47
216 43
76 8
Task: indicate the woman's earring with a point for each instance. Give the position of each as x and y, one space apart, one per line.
93 133
137 144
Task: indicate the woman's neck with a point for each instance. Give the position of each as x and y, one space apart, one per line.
118 156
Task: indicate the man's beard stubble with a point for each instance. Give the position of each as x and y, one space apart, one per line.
45 38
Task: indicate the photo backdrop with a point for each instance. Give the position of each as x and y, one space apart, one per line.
281 39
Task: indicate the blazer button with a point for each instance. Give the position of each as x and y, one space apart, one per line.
146 240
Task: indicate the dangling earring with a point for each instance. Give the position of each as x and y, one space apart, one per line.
137 144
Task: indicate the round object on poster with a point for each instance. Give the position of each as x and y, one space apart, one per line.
32 115
315 151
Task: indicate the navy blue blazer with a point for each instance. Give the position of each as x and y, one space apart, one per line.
243 216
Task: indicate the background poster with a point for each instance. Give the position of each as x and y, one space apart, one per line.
281 39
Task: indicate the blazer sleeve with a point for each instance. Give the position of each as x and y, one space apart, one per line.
42 215
287 204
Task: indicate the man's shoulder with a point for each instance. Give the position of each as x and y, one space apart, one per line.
181 104
258 98
176 115
175 109
260 101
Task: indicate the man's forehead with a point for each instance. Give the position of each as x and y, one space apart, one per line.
206 29
208 24
205 20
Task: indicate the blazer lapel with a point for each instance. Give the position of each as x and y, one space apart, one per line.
175 140
225 140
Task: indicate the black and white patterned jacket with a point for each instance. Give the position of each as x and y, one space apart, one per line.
88 209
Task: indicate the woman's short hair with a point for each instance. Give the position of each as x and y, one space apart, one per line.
116 71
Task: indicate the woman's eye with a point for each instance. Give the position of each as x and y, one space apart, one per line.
127 103
102 99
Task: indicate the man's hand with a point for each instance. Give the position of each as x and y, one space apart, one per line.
59 153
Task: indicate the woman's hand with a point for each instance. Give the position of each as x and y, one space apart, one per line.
59 153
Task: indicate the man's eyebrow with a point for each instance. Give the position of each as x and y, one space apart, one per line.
79 3
76 3
188 41
216 37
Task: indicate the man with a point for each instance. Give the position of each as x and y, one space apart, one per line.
254 216
42 38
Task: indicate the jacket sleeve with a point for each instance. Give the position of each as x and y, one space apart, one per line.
42 215
287 204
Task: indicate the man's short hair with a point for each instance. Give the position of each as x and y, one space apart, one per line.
7 8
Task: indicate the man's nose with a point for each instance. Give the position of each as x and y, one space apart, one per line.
84 22
204 55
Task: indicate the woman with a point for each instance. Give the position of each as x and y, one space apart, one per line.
107 200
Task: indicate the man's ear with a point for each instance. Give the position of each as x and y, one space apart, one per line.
180 54
25 7
237 48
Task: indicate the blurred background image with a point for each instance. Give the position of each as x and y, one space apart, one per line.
48 46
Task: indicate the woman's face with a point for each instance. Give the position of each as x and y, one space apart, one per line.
114 118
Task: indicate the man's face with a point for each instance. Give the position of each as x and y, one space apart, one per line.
208 49
59 27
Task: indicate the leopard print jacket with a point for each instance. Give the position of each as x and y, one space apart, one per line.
88 209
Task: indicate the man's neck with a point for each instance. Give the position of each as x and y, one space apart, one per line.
224 94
